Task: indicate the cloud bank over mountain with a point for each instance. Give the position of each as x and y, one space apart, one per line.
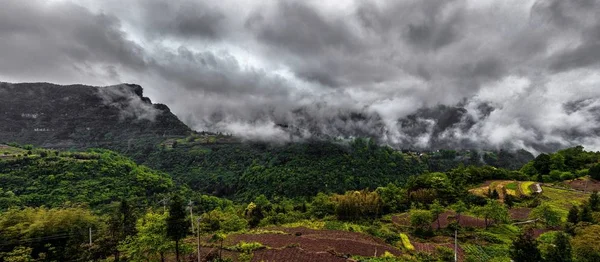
411 73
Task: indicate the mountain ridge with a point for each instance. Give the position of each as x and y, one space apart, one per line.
88 116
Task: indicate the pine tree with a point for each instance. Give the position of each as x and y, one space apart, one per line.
524 248
177 226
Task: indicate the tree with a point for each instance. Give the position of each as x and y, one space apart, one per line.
573 216
460 207
177 226
254 214
542 164
393 198
594 201
560 250
357 205
421 220
219 237
495 194
18 254
524 248
586 214
121 225
493 211
547 214
128 218
436 210
322 206
594 171
151 241
42 223
509 200
586 244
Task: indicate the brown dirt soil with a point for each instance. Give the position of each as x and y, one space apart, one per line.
401 220
340 246
330 234
430 248
465 220
445 219
207 253
294 254
519 213
539 231
587 185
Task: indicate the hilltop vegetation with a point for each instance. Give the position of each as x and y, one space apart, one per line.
38 177
219 165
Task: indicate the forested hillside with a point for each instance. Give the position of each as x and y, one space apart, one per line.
220 165
95 178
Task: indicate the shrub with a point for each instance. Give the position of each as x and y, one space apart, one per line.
566 176
247 247
406 242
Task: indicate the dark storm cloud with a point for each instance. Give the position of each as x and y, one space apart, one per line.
41 39
301 28
582 14
411 73
217 73
186 19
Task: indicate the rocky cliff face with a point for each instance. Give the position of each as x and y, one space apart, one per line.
79 116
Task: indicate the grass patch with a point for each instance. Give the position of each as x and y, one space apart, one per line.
495 253
511 186
306 223
505 233
563 200
525 187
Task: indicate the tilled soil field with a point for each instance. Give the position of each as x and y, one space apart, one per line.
585 185
519 213
431 247
445 219
338 242
294 254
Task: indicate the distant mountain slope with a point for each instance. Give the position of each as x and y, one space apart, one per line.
79 116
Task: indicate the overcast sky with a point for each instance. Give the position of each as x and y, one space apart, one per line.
526 72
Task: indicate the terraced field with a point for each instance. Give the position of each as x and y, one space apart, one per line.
562 200
584 184
304 244
525 188
515 188
8 152
445 219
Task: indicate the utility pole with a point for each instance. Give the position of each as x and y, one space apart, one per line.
198 231
190 206
90 236
164 202
455 246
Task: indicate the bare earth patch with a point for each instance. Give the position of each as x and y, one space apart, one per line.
584 184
